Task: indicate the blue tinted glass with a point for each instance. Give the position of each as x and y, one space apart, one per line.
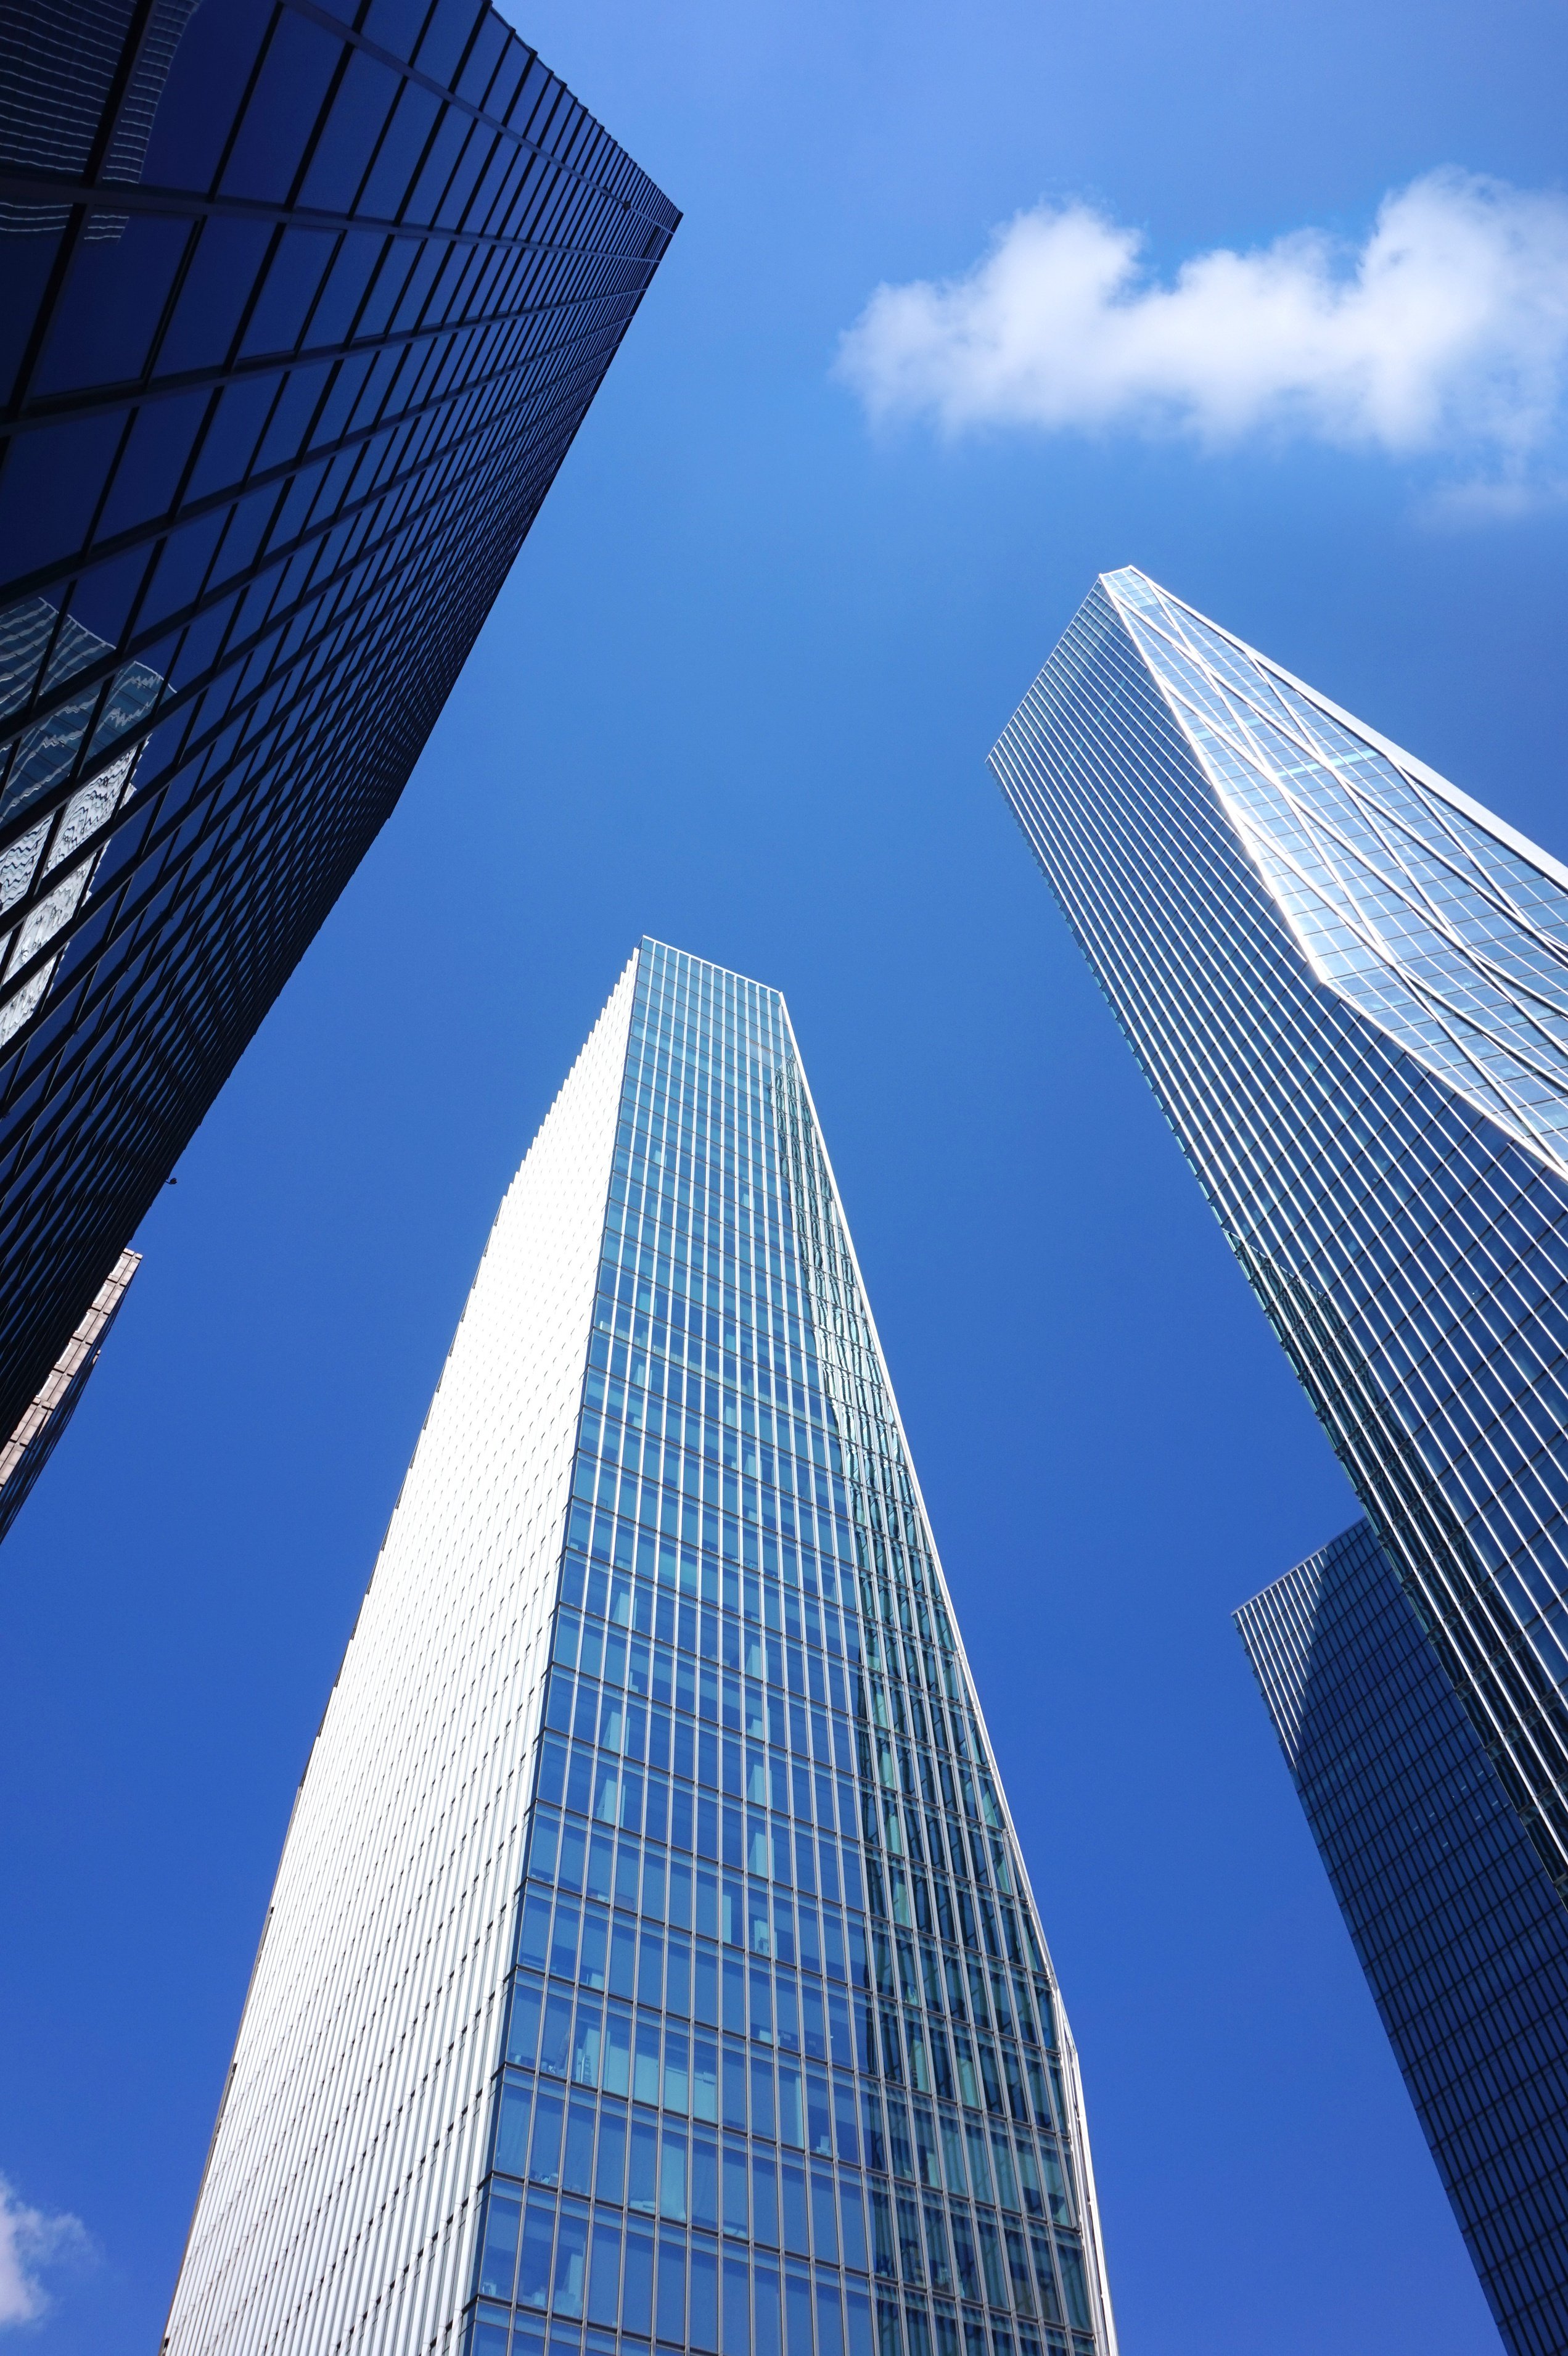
760 1758
1348 986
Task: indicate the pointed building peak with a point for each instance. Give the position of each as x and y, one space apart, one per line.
1347 985
1426 912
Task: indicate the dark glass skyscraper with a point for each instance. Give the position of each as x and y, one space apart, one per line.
652 1959
1347 985
1459 1928
300 309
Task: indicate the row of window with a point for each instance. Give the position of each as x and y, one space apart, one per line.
628 2161
702 1053
664 1219
710 1105
617 1585
771 1532
592 2043
620 1353
704 1251
622 1593
615 1794
770 1922
597 2266
770 1611
701 1688
728 1371
778 1921
711 1269
742 1424
604 1717
685 1186
665 1888
969 2157
712 1091
611 1793
678 1328
874 1459
494 2333
718 1456
728 1164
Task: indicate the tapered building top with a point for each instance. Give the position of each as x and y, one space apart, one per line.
1419 908
1347 984
652 1957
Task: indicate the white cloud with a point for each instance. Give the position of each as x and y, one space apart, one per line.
1445 332
29 2241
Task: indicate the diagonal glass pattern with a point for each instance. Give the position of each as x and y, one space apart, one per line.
1425 914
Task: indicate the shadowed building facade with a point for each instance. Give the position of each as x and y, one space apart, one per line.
299 313
1347 985
652 1959
1461 1935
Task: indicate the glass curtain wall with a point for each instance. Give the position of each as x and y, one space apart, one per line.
1347 985
300 311
785 2067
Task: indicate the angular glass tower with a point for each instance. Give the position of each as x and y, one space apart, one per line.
299 313
1347 985
651 1958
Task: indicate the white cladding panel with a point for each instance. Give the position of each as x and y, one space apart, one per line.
337 2210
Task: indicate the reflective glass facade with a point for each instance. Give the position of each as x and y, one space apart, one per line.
758 2042
1347 984
300 309
1459 1928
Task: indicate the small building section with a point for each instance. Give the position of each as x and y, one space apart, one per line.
30 1446
1459 1929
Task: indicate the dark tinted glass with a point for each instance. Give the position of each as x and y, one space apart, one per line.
218 667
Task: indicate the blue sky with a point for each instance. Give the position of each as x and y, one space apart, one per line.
739 694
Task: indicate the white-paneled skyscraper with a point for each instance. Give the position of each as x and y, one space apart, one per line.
651 1958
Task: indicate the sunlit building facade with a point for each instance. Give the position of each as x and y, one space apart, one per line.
299 314
1347 985
651 1960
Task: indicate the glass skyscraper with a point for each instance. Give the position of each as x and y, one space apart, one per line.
300 309
1461 1934
1347 985
651 1959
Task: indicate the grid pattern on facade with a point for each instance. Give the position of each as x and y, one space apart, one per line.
302 311
1458 1926
785 2068
1411 1255
36 1438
